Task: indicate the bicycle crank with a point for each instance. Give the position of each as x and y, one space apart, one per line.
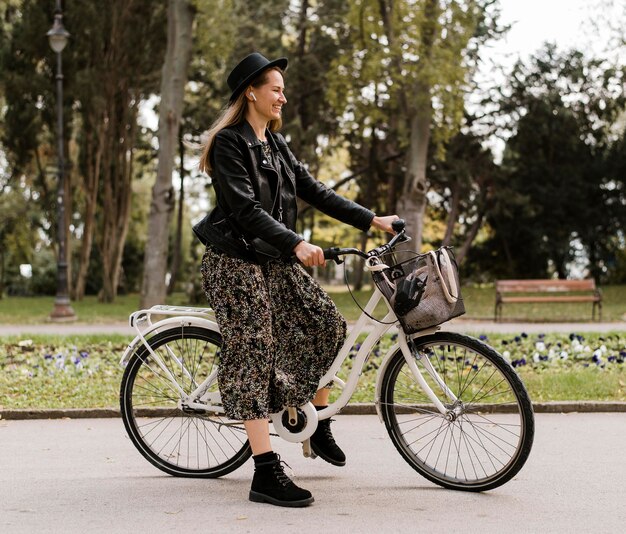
295 424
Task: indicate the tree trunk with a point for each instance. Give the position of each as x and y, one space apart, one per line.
116 112
117 189
359 265
124 201
90 187
418 112
107 202
469 239
1 272
368 201
178 241
453 214
412 205
68 211
173 80
303 95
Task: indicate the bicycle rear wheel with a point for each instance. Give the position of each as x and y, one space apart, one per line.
486 435
179 441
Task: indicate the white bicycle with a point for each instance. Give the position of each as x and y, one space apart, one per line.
454 408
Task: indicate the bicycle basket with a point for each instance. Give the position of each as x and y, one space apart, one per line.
423 291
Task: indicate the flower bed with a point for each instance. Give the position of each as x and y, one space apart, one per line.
84 371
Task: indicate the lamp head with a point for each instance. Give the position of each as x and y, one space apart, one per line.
58 35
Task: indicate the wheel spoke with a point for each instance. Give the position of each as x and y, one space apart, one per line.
477 443
179 442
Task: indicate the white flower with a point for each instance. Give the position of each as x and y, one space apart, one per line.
603 349
564 355
25 343
578 348
598 354
575 342
587 348
536 357
540 346
506 355
551 354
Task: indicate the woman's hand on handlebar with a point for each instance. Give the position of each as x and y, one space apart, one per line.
384 223
309 255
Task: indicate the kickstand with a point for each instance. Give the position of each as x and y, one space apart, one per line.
307 450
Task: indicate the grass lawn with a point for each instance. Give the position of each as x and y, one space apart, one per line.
479 303
84 371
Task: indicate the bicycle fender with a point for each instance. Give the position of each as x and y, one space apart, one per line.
379 377
164 325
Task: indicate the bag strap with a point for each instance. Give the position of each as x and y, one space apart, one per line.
452 299
279 184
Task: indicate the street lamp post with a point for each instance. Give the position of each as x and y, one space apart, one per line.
62 311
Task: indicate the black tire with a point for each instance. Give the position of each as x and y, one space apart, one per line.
180 442
485 438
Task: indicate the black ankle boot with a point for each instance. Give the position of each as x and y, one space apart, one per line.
323 443
270 483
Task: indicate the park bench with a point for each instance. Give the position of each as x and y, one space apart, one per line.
547 291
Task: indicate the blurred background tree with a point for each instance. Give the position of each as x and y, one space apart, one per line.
384 105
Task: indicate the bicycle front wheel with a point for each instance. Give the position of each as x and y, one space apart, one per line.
486 434
177 440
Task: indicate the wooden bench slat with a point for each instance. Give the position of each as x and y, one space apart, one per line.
545 285
547 291
578 298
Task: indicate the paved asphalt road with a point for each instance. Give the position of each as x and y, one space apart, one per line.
84 476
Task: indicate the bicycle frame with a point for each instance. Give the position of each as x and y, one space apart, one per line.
201 399
378 330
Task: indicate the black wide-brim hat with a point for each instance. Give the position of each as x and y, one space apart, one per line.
248 69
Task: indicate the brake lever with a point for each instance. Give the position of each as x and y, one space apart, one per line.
405 238
332 254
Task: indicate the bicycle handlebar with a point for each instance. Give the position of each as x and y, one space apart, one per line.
334 253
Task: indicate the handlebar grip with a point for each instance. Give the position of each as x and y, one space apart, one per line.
331 253
398 225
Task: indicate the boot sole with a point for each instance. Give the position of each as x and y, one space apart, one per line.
328 459
261 497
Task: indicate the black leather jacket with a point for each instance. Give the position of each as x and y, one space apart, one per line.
244 181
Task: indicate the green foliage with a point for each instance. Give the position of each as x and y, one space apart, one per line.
358 73
464 183
108 68
404 56
556 189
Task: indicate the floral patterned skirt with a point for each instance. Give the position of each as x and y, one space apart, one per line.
280 330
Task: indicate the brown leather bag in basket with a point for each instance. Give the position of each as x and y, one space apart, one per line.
423 291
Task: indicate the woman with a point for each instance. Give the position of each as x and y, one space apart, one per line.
280 330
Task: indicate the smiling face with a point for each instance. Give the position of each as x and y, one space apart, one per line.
269 94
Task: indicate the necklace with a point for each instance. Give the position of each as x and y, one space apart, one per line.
267 149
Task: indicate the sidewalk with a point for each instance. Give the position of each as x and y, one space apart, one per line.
456 325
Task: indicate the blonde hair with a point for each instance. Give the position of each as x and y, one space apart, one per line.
232 114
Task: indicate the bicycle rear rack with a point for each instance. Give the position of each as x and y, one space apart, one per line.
145 316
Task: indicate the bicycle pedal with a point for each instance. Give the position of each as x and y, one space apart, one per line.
307 451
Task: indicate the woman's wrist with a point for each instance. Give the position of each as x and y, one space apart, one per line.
384 223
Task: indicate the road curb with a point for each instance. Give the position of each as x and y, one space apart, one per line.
350 409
